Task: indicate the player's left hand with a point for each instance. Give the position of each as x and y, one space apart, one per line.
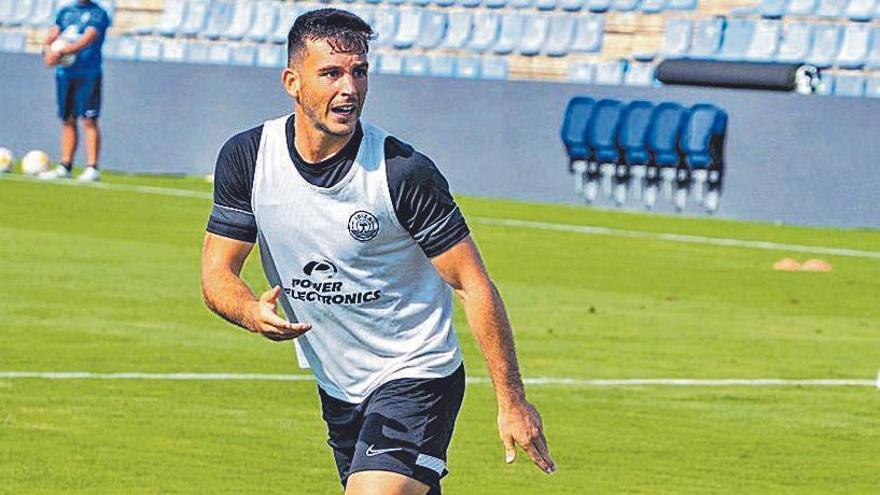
51 57
519 423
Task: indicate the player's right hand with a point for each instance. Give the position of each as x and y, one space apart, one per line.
267 322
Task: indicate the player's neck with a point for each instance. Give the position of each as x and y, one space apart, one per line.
315 145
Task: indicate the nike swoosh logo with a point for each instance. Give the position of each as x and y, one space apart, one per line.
371 451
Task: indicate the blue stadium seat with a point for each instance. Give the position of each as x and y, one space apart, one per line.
21 12
287 14
677 37
602 131
485 33
625 5
860 10
219 53
522 4
150 50
681 5
390 2
535 31
470 3
442 65
854 48
171 20
173 50
416 65
571 5
242 18
390 63
219 17
663 134
873 60
702 136
385 25
126 48
494 68
458 30
598 6
773 9
265 18
707 37
244 55
43 14
467 67
639 74
610 73
433 29
511 33
797 42
410 22
195 17
764 45
545 4
444 3
580 72
574 128
801 7
849 85
365 12
653 6
632 138
420 3
495 4
273 56
826 44
197 52
736 39
373 1
561 34
831 8
872 89
588 34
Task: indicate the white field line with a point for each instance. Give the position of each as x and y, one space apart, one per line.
543 381
525 224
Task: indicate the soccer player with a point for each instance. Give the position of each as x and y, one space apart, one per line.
362 240
82 25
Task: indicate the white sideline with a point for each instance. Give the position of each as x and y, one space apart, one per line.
542 381
527 224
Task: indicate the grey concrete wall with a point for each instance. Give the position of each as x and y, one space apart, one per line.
793 159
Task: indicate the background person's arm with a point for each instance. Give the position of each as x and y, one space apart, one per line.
519 423
226 294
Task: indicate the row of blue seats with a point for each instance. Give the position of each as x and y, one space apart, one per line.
36 13
856 10
612 73
646 6
846 84
848 45
403 28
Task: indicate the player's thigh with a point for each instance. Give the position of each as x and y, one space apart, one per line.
383 483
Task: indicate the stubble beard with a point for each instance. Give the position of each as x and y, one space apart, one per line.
312 115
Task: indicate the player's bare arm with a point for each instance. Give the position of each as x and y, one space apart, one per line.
52 57
226 294
519 423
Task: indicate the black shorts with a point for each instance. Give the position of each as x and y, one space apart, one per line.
78 96
404 427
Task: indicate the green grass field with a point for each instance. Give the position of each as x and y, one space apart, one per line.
107 280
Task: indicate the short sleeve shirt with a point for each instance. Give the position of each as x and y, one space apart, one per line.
73 20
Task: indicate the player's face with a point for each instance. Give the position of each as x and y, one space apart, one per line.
331 87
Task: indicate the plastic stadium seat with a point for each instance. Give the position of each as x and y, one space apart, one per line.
765 41
271 56
385 25
444 3
242 18
588 34
831 8
43 14
150 50
433 29
219 53
522 4
575 121
469 3
849 85
390 63
195 17
265 17
486 28
408 29
511 33
581 72
737 37
173 50
599 6
707 37
219 17
602 131
287 14
467 67
855 45
442 65
677 36
126 48
21 11
639 74
872 88
826 44
495 4
681 5
653 6
458 30
545 4
801 7
663 134
702 136
534 34
860 10
561 34
773 9
172 17
624 5
873 60
797 43
610 73
420 3
633 133
416 65
572 5
373 1
245 55
494 68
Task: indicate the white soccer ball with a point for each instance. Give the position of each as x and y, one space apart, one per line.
57 46
34 162
6 159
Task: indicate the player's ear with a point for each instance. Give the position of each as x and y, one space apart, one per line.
291 81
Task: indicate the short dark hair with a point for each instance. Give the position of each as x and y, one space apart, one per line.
344 31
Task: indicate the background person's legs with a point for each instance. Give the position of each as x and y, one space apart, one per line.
68 140
383 483
93 140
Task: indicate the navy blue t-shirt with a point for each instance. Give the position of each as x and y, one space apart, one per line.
73 20
420 194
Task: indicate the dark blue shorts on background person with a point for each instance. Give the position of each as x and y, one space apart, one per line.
404 427
78 95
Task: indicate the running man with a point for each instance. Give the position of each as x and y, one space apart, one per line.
361 240
82 25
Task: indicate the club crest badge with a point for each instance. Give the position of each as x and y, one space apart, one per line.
363 226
